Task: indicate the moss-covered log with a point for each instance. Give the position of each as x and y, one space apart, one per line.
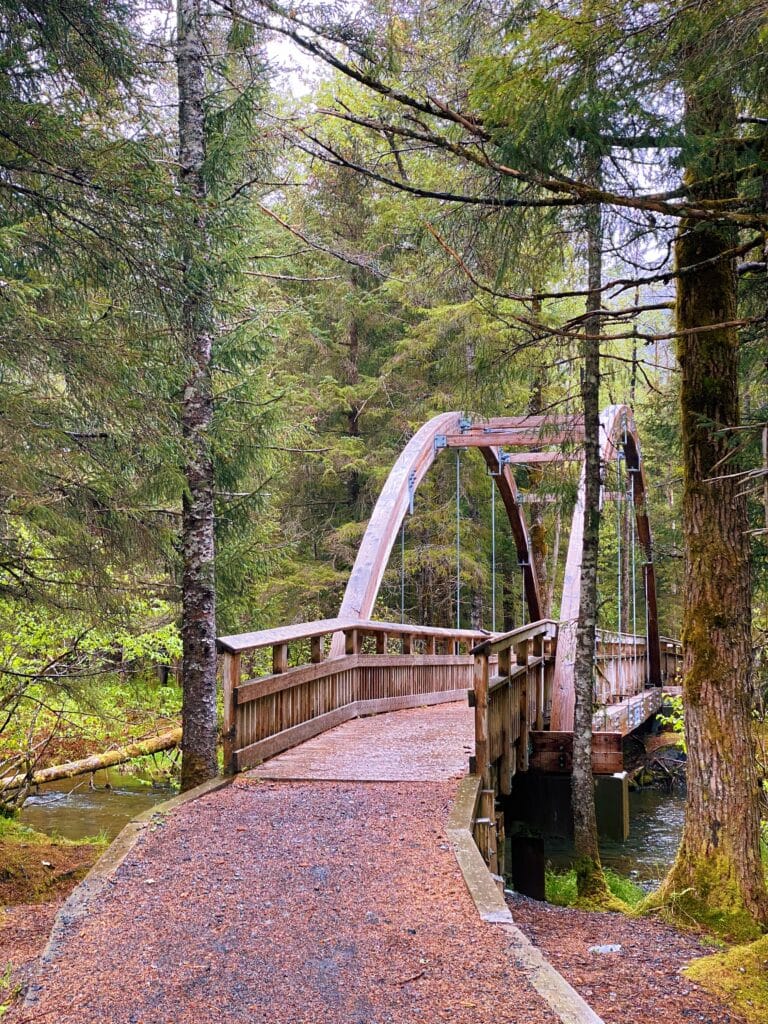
165 741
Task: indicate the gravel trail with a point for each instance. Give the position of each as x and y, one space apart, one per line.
283 903
274 901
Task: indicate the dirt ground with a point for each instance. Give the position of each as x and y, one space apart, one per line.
24 931
641 982
35 879
35 871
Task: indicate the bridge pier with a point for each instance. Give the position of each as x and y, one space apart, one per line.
542 801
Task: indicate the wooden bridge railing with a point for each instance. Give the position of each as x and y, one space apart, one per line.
509 704
512 702
671 660
621 665
387 666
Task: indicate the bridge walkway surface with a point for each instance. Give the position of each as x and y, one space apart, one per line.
322 887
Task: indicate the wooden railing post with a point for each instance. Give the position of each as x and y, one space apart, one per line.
538 652
351 641
230 677
279 658
487 822
481 718
381 643
504 662
316 650
521 652
407 643
430 645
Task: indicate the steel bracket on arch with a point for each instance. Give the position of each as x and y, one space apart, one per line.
503 458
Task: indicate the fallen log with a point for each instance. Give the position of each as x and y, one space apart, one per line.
69 770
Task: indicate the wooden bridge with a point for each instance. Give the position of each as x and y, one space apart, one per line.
284 686
340 877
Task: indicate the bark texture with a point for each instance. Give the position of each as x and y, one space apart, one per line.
717 877
198 583
537 530
588 869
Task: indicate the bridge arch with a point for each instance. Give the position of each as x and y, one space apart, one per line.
450 430
618 438
442 431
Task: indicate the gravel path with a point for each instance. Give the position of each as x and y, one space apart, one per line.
417 745
338 902
639 984
283 903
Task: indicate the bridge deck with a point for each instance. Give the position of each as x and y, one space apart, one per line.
418 745
285 902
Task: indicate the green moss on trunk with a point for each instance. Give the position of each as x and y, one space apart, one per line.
705 895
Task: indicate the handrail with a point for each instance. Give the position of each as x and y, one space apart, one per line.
242 643
270 713
510 705
546 628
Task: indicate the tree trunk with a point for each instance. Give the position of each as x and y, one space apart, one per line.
717 877
550 602
198 584
589 874
536 530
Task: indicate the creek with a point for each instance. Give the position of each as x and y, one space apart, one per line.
655 825
78 808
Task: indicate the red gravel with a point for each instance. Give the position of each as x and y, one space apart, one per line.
24 931
640 984
283 903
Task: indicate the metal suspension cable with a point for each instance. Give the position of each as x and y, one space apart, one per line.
631 496
647 645
634 574
402 571
619 524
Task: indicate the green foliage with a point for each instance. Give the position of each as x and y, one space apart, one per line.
561 888
674 719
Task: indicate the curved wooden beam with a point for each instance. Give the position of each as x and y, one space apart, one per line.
393 503
617 423
509 496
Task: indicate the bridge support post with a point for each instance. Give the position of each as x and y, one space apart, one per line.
612 805
542 801
481 679
230 677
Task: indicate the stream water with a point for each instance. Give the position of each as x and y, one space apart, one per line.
75 809
655 824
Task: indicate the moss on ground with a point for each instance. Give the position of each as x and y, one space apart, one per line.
623 894
739 977
708 899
